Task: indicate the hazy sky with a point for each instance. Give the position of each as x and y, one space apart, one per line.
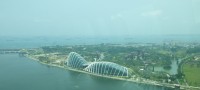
98 17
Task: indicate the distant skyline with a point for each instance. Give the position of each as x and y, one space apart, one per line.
99 17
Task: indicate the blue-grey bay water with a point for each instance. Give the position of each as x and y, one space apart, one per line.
21 73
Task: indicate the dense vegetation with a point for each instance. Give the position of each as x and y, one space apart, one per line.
139 58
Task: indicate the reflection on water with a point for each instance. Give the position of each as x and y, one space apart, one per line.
173 70
19 73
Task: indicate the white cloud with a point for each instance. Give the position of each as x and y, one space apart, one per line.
36 20
197 20
117 16
153 13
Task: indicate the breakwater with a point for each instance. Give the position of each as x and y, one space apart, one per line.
7 51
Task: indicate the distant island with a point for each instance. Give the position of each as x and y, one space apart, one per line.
170 64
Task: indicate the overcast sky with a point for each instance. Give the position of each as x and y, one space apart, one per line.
99 17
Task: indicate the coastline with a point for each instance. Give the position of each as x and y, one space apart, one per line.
141 81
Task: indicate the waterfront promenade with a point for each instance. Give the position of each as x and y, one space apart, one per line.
131 79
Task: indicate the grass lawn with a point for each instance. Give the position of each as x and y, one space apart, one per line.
192 74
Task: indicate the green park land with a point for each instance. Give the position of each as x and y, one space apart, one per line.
140 58
192 73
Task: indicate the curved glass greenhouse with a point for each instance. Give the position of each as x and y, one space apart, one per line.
74 60
107 68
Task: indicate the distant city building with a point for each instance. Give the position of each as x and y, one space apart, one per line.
74 60
107 68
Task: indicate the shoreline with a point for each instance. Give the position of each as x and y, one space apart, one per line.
141 81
